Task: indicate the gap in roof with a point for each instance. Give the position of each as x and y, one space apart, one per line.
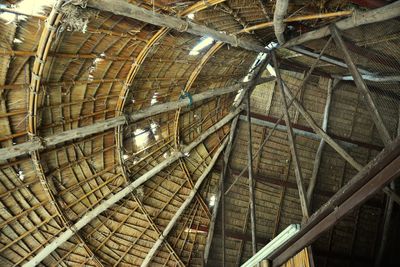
204 42
30 7
190 16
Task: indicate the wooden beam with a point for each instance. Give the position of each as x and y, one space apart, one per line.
103 206
318 155
38 144
361 85
357 19
372 178
392 194
251 180
292 145
320 132
299 129
298 18
270 181
370 3
126 9
183 207
219 196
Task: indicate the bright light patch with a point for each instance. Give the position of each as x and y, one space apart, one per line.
154 99
125 157
271 70
190 16
17 41
29 7
141 137
212 201
21 175
204 42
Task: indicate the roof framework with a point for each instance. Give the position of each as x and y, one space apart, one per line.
112 133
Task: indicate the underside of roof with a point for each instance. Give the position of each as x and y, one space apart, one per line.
126 129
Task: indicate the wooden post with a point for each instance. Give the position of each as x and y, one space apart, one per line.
320 132
358 18
183 207
219 198
358 80
318 155
126 9
374 176
251 181
299 177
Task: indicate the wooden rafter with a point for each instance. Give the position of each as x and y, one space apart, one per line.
358 18
125 9
90 215
361 85
21 149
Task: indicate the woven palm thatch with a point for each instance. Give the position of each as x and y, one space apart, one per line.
65 66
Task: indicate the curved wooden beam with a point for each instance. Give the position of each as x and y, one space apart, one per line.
44 46
135 67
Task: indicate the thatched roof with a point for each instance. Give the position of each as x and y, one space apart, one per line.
73 66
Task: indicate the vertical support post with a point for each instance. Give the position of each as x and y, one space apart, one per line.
251 181
360 83
388 213
299 178
292 145
219 198
318 155
222 186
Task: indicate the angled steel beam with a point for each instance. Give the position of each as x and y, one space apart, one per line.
126 9
89 216
372 178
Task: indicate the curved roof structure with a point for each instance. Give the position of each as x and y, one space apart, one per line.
127 129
